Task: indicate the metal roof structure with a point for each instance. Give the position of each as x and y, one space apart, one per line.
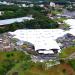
40 38
10 21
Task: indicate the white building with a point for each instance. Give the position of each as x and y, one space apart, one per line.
52 4
0 13
10 21
40 38
24 5
6 3
31 5
70 22
41 5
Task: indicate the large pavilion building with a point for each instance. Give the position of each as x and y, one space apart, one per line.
42 39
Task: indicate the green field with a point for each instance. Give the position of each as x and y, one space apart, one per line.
66 52
19 63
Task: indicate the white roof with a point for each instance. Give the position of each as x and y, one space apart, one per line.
52 4
41 38
70 22
47 52
9 21
71 31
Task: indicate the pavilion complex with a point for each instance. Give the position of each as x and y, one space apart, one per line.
42 39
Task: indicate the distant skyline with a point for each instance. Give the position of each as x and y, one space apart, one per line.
37 0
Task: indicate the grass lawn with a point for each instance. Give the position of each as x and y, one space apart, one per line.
72 63
61 69
13 55
66 52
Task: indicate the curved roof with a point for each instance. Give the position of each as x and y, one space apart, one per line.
10 21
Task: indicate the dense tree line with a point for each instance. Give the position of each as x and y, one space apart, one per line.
40 21
40 24
8 7
14 11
